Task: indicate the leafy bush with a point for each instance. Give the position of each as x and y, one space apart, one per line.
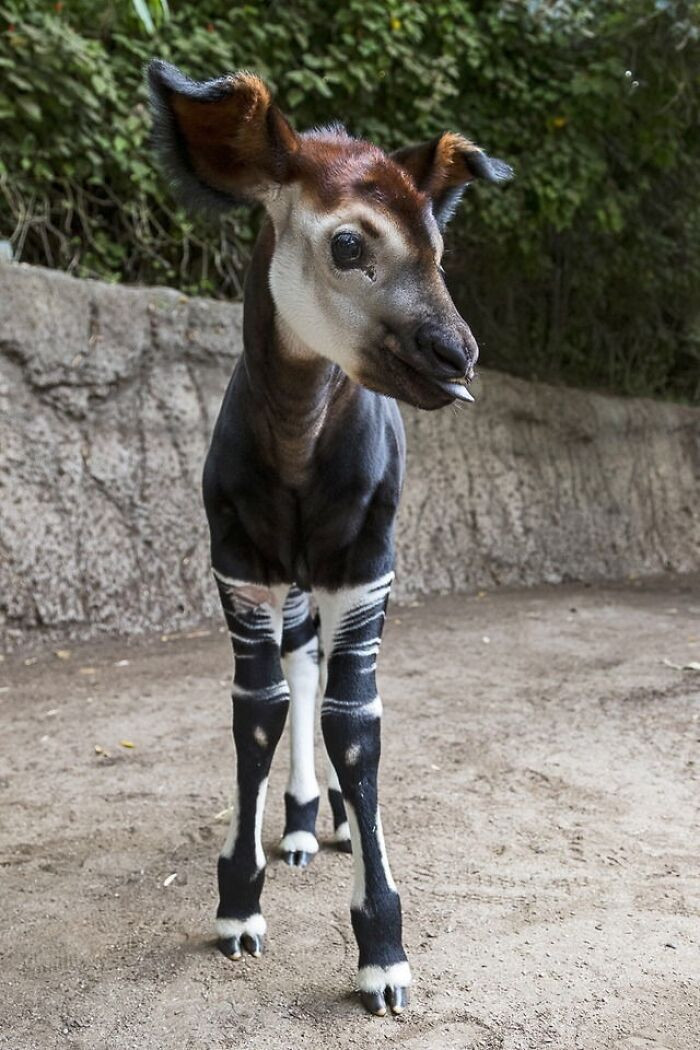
586 269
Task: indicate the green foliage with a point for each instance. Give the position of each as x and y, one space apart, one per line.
586 269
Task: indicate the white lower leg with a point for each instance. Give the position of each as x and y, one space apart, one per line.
301 672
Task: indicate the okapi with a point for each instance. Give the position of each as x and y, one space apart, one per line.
345 309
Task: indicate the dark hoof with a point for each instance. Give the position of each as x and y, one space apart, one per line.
374 1003
397 998
253 944
232 947
344 846
298 858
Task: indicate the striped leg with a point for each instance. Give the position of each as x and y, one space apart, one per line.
260 702
341 828
351 626
300 663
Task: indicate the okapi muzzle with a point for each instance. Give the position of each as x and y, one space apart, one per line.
345 309
430 363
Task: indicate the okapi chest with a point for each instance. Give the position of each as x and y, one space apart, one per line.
345 310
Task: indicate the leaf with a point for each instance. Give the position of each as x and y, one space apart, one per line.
141 9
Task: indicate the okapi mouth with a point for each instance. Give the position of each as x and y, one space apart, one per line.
390 374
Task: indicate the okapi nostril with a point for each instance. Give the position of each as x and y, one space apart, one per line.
442 348
451 357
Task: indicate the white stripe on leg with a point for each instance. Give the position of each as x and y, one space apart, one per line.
259 814
359 886
332 776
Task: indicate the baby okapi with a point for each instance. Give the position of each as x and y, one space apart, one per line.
345 309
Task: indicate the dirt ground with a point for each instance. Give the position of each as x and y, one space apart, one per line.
540 788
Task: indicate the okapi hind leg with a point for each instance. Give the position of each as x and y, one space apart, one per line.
351 625
260 701
300 660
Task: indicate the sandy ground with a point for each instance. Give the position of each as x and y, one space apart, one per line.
541 790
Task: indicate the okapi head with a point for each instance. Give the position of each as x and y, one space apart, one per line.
355 271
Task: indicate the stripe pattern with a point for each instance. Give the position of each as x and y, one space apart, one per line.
352 620
260 698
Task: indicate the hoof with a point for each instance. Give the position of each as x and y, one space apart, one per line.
298 858
298 848
233 947
344 846
397 998
236 936
384 988
376 1003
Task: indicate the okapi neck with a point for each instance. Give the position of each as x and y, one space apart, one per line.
294 395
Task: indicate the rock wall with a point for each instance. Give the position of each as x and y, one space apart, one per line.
107 399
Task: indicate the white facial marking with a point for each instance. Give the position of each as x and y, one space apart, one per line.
320 309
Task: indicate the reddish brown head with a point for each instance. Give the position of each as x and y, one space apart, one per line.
355 271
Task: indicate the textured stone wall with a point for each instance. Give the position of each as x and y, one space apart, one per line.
107 399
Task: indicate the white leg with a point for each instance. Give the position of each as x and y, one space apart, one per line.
300 663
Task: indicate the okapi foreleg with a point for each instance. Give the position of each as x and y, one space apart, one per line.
300 656
351 624
260 702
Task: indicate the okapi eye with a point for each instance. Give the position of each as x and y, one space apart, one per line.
346 249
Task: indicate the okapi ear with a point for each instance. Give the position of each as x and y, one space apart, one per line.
221 142
443 168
